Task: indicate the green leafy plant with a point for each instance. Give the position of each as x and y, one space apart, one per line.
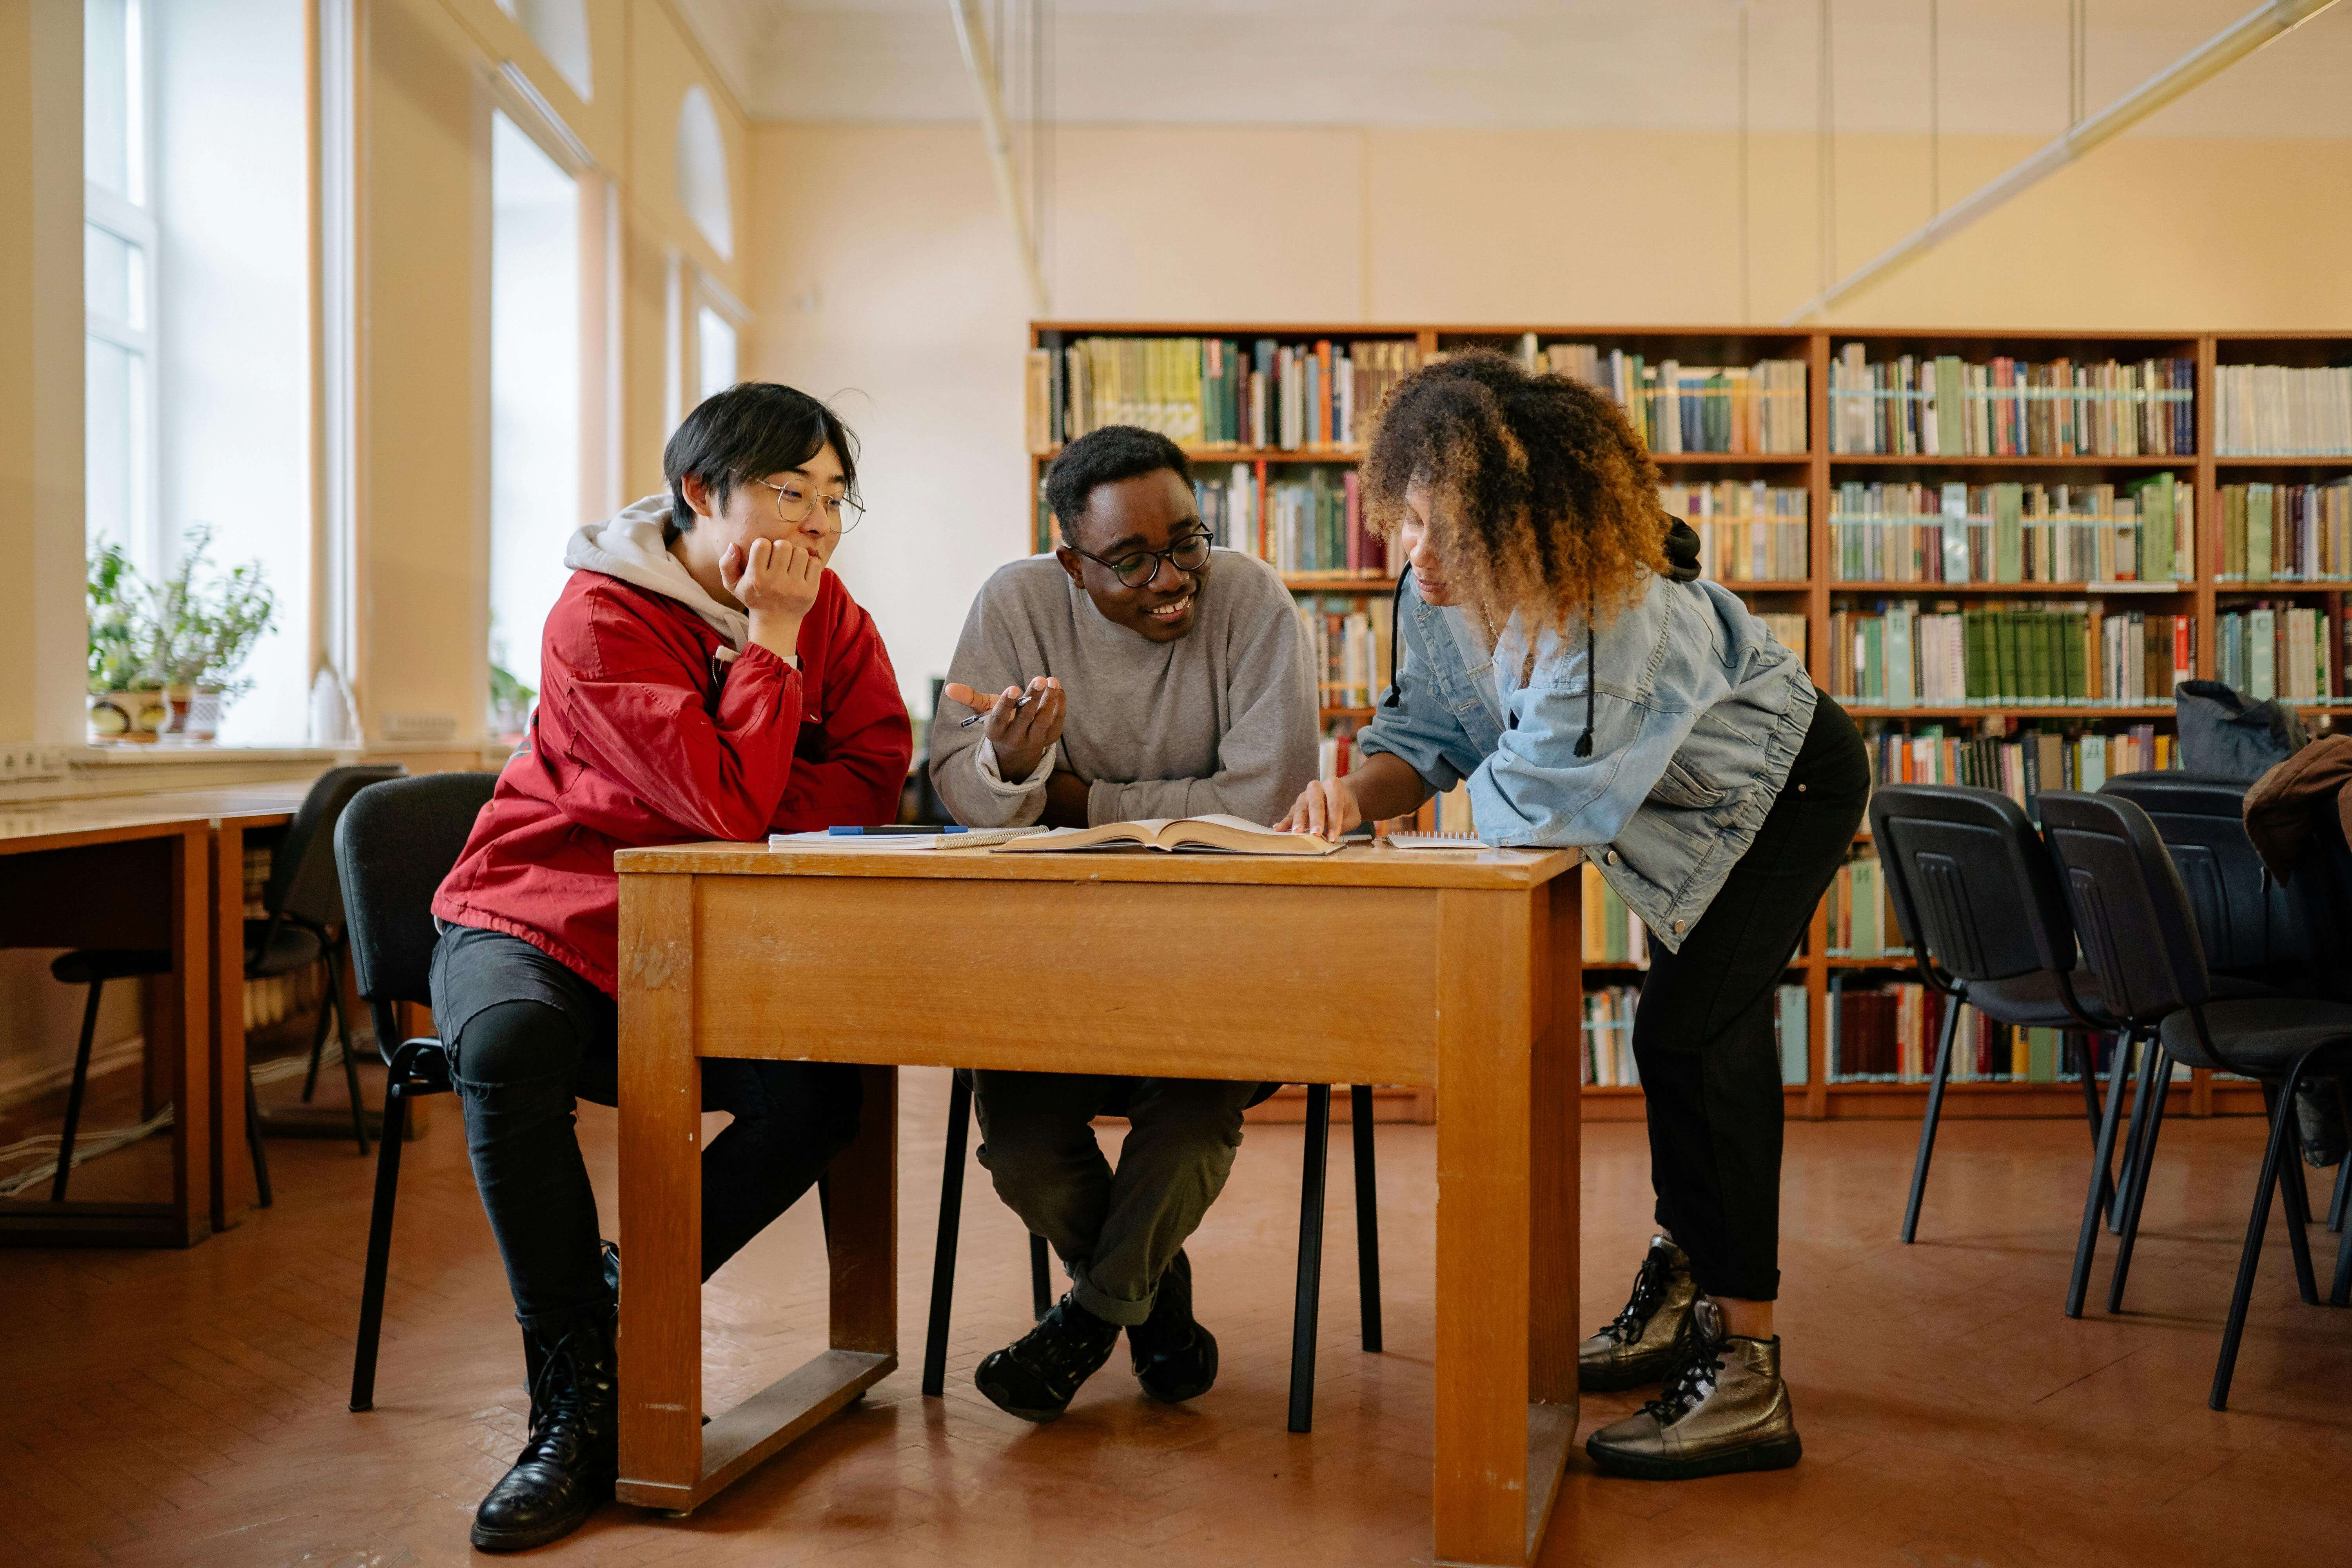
119 633
204 624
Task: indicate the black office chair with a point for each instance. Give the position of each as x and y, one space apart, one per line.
2260 939
1973 887
2140 935
396 844
302 925
1307 1310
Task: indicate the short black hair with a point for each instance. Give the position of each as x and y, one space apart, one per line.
1105 457
753 430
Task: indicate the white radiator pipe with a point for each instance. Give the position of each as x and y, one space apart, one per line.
972 32
2208 59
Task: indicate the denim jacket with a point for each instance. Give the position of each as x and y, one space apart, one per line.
1698 714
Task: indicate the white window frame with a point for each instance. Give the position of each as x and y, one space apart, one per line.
692 290
133 221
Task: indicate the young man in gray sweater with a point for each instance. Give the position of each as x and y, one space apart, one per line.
1161 677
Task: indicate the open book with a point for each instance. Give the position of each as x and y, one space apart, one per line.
1229 835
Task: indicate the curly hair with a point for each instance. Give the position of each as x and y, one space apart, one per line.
1544 501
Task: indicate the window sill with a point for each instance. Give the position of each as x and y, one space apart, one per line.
133 767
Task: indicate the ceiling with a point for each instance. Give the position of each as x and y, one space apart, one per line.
1642 64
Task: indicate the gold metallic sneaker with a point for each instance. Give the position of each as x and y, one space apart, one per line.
1638 1345
1724 1409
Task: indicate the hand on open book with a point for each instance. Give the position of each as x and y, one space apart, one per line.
1327 806
1020 734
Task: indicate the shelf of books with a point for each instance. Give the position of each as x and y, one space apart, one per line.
2000 551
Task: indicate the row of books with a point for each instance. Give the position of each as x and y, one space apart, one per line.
1888 1033
1748 531
2282 410
1680 407
1215 392
2286 651
1350 648
1613 933
1946 406
1310 524
1608 1035
1860 913
2014 533
2079 654
2286 533
2017 765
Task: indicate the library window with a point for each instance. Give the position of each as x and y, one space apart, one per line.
196 291
701 171
535 404
560 28
714 351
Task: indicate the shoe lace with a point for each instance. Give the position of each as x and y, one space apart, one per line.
1690 1375
1650 1282
1058 1344
559 1392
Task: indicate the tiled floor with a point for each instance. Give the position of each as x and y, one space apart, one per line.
189 1408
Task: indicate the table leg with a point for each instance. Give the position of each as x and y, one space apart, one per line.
232 1190
1502 1176
661 1196
862 1229
190 1045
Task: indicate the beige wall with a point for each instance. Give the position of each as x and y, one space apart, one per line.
884 271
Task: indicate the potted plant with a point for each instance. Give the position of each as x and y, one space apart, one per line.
126 703
201 633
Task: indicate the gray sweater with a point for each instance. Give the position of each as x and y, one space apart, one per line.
1221 719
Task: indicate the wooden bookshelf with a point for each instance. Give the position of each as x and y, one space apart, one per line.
1819 470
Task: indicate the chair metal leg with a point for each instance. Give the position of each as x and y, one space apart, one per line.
2297 1200
1935 1113
253 1141
379 1247
2343 1187
2134 1132
943 1256
1367 1216
74 1093
319 1037
2251 1256
2102 1189
2341 1294
351 1062
2154 1087
1041 1277
1310 1258
2086 1064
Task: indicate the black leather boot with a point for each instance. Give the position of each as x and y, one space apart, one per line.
569 1466
1036 1375
1175 1357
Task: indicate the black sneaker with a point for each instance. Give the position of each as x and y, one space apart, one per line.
1175 1358
1036 1375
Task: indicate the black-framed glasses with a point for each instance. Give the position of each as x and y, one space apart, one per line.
1189 553
795 500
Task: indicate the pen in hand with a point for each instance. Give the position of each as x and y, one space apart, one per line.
982 716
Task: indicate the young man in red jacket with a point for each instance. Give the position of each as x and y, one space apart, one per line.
704 677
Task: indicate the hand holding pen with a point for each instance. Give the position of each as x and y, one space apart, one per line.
1022 723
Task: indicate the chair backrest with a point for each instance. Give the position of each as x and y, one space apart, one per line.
2251 925
1971 881
2138 928
396 843
303 885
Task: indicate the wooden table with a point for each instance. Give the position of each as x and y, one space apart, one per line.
163 869
874 957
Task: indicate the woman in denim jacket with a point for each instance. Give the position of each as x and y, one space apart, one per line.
1553 651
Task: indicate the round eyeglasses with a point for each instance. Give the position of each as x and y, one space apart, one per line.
795 500
1189 553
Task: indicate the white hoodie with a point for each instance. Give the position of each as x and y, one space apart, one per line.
630 547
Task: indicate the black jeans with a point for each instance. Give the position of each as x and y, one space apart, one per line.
1703 1030
531 1037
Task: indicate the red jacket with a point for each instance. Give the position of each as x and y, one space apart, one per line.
642 737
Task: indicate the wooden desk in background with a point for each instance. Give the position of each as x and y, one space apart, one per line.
874 957
164 870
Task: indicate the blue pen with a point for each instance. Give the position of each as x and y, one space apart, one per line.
892 830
